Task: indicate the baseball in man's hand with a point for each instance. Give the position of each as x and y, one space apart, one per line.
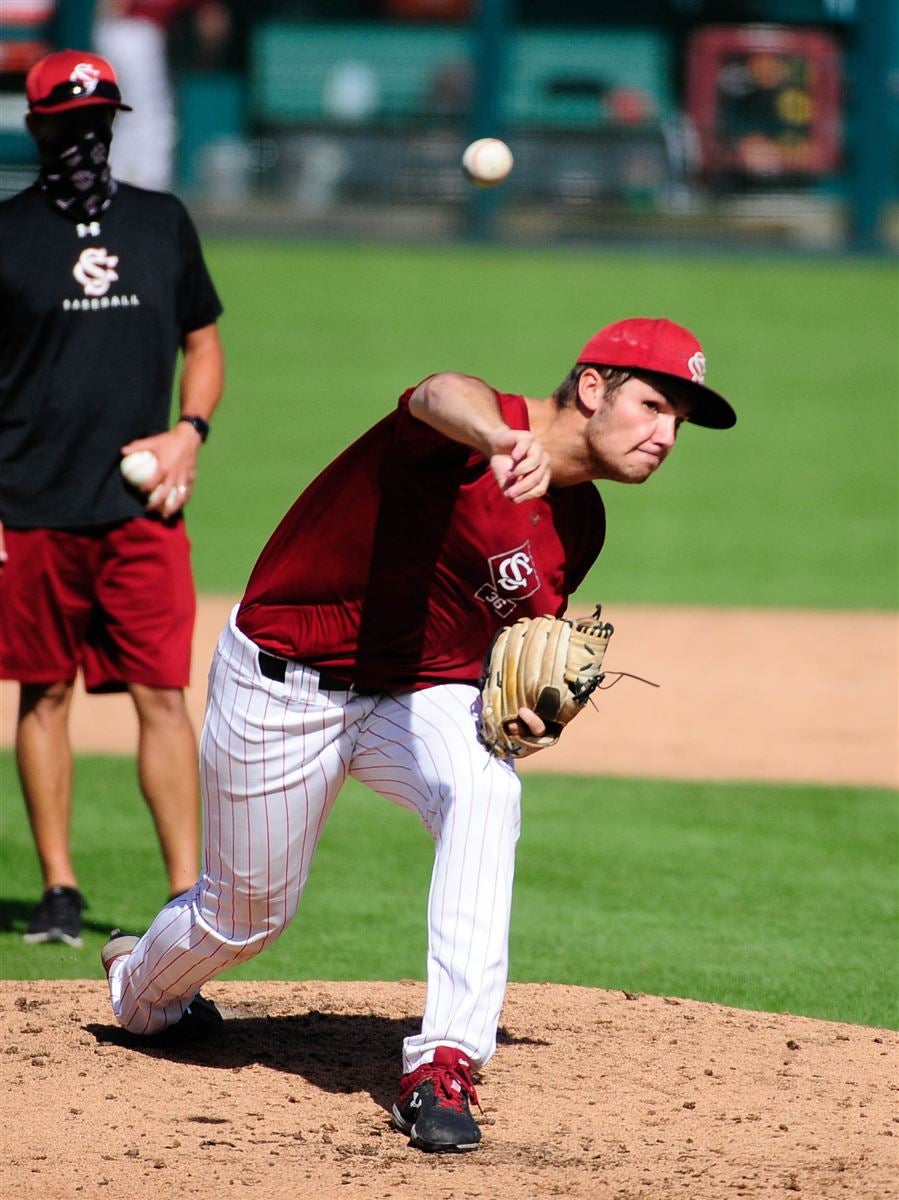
139 467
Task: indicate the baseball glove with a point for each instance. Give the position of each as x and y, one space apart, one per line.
548 664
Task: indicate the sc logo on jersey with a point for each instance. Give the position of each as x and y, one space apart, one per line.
513 577
95 270
513 572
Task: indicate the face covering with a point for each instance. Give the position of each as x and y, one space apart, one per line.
75 173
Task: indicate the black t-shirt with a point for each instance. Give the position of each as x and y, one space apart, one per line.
92 317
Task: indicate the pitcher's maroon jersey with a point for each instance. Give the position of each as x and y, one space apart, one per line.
420 604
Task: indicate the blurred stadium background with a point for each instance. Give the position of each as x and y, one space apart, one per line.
772 122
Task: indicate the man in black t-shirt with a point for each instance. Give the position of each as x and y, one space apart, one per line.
101 286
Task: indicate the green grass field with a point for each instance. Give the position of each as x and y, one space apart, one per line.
771 899
796 506
763 897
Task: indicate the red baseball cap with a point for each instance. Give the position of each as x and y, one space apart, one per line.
659 346
70 79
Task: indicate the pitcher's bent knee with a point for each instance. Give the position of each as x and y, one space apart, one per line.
242 924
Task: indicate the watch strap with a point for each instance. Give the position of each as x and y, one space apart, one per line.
201 426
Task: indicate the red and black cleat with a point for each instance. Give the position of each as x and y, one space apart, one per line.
432 1107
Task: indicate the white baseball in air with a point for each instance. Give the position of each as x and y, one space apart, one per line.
487 162
139 467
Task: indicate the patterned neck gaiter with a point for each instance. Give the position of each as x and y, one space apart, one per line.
75 173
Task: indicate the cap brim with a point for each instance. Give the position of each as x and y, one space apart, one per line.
49 110
707 408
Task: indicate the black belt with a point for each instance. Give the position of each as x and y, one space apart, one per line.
275 668
272 667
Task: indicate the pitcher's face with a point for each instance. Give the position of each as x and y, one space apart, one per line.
632 432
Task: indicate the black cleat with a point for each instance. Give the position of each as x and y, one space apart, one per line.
199 1022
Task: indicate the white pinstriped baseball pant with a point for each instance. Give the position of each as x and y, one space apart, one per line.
273 758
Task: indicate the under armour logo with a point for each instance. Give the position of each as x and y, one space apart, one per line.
90 230
94 270
696 363
415 1102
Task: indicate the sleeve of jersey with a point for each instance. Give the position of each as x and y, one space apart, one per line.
421 439
198 302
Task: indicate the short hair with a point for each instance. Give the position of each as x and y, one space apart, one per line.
566 393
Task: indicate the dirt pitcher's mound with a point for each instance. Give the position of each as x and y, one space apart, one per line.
592 1094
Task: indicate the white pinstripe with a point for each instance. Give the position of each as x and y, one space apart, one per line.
273 758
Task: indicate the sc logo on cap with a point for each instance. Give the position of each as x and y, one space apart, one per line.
87 75
696 363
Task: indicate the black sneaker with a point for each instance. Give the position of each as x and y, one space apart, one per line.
57 917
432 1107
201 1019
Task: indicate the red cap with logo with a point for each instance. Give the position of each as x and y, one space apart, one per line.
657 345
71 79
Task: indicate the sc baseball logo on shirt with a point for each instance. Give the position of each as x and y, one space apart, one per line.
96 272
513 577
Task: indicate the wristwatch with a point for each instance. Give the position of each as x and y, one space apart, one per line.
201 426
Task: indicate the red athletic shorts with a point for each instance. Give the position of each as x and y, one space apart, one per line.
118 603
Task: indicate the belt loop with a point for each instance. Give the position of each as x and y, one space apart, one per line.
272 667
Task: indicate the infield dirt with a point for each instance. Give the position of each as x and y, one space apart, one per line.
592 1094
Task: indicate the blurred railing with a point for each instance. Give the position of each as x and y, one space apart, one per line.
759 132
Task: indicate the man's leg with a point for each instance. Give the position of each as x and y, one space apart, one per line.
273 759
45 605
170 780
44 759
421 750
